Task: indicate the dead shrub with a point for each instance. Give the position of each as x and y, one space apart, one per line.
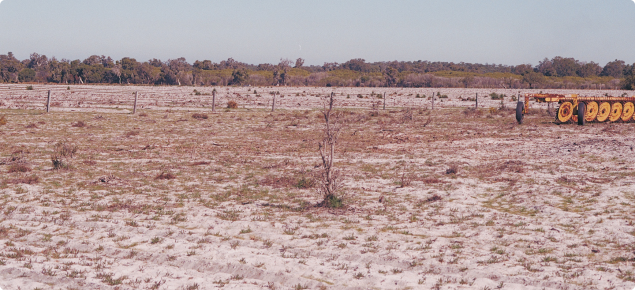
62 152
143 115
18 167
199 116
277 182
31 126
454 169
472 113
232 105
3 120
433 198
165 176
513 166
79 124
131 133
25 180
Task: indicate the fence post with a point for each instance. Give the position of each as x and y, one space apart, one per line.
214 100
273 104
134 109
48 102
432 100
476 101
384 100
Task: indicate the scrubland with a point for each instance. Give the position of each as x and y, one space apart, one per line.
180 197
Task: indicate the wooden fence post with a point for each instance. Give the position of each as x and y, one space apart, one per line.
476 101
384 100
432 100
214 100
273 104
134 109
48 102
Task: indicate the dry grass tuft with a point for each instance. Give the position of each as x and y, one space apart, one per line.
232 105
79 124
433 198
454 169
131 133
3 120
199 116
25 180
165 176
17 167
31 126
197 163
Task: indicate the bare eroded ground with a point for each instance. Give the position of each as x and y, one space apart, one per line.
164 200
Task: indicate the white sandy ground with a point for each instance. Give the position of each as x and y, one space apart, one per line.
555 224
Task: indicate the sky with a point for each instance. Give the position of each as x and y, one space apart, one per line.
508 32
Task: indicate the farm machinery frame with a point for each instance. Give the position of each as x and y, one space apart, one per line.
582 109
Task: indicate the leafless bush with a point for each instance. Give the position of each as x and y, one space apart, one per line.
232 105
62 153
330 184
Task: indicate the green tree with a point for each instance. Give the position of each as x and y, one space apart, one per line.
26 75
239 77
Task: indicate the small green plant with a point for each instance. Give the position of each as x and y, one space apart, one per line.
29 88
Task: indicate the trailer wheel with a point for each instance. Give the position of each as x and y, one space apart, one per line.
520 106
627 111
616 112
581 112
604 111
591 111
565 112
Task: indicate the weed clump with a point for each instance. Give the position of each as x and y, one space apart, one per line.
232 105
62 153
31 126
3 120
454 169
17 167
29 88
198 116
79 124
165 176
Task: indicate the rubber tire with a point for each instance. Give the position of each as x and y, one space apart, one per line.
581 112
520 106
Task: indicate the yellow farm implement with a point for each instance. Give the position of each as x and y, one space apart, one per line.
578 109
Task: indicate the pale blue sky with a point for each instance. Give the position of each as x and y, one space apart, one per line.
257 31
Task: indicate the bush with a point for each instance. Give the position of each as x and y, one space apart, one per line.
496 96
198 116
165 175
454 169
305 183
3 120
79 124
232 105
29 88
19 168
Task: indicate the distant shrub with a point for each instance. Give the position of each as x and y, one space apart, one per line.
198 116
165 176
79 124
29 88
131 133
232 105
496 96
3 120
454 169
31 126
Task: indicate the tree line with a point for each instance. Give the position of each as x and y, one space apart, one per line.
556 73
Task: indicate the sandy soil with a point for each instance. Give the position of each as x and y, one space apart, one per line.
164 200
